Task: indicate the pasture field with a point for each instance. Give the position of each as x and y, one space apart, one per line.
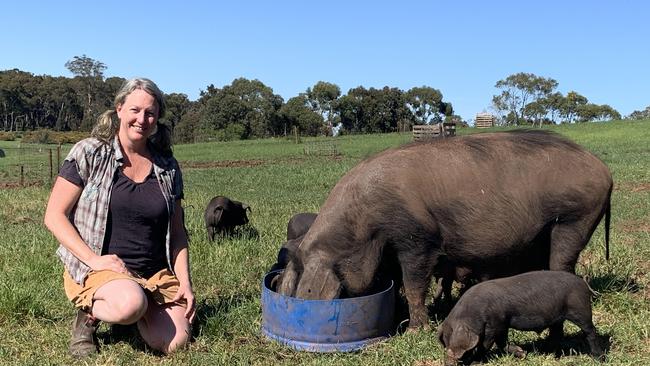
277 180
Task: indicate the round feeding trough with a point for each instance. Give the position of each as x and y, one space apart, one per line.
338 325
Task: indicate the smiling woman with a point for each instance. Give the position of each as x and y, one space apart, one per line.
115 210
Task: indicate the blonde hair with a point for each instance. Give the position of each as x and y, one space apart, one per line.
107 126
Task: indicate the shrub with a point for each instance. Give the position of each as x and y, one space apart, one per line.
234 131
37 137
44 136
7 136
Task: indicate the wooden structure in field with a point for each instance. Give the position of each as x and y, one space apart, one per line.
484 120
446 129
321 147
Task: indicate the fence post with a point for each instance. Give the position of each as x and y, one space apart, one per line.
22 175
58 159
51 165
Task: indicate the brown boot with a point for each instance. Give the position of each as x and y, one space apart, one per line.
84 341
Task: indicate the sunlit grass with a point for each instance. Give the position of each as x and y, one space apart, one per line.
277 180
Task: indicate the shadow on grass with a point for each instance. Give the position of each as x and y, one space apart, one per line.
611 282
248 232
117 333
240 232
211 308
436 312
573 344
207 311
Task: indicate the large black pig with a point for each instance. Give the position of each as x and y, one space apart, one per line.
495 204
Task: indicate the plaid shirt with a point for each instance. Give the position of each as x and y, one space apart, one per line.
97 162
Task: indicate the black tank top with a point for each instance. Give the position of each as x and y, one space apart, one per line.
137 221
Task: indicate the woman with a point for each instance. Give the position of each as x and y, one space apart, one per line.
115 210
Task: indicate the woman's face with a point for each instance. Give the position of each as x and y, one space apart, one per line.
138 116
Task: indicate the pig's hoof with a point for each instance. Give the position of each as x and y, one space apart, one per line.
516 351
418 328
599 356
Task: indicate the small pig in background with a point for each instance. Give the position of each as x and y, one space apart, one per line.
530 301
222 215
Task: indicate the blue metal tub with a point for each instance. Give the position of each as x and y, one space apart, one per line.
339 325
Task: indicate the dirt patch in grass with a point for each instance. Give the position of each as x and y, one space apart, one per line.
643 187
632 187
21 220
635 226
427 363
17 185
220 164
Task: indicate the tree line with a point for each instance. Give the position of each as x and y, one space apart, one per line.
244 109
530 99
249 109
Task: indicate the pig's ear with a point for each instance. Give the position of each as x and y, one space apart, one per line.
217 213
288 280
462 340
443 334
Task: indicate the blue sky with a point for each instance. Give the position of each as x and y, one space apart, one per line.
596 48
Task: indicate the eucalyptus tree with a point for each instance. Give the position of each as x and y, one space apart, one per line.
322 98
535 112
426 105
374 110
62 111
638 115
594 112
86 67
188 128
518 90
90 76
13 100
552 104
177 105
246 106
608 113
385 109
572 103
298 113
351 111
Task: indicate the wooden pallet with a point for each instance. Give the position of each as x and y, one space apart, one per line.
484 120
446 129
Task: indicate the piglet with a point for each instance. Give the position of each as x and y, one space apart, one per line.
530 301
222 215
299 224
297 227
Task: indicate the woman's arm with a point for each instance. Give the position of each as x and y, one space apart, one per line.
62 199
181 261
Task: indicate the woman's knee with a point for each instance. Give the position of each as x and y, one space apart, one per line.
126 301
167 346
165 328
131 306
179 342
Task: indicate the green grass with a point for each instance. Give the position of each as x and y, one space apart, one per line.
277 180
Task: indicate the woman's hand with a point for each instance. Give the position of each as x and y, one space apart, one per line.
109 262
185 295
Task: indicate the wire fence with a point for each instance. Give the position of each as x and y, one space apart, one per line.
29 166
